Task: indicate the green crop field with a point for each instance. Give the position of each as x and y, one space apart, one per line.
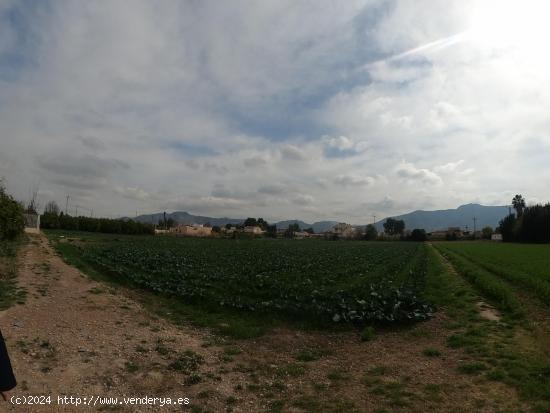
243 288
351 281
526 266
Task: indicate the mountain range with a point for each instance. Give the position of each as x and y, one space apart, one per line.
462 217
429 220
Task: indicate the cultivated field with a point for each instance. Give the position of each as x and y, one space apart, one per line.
353 281
289 325
502 271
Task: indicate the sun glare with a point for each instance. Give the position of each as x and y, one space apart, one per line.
512 24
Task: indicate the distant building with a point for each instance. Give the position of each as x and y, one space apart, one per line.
496 237
253 229
449 233
343 230
301 235
229 230
194 230
32 223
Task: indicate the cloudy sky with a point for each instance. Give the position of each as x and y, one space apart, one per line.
283 109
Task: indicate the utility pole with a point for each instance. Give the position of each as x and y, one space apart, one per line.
475 219
67 204
374 219
76 210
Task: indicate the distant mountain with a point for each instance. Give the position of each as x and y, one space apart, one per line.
429 220
460 217
187 218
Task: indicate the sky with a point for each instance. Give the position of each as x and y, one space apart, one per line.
312 110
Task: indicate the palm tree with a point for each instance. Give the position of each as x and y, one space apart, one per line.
519 204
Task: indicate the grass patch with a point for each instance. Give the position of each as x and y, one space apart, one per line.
368 334
291 370
431 352
187 362
311 354
474 367
338 375
131 367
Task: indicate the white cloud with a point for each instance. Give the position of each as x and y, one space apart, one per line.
293 153
354 180
133 193
410 172
237 108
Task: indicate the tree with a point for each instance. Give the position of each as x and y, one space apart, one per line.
271 231
487 233
370 232
228 226
418 235
50 217
216 229
250 222
507 227
394 226
292 228
51 208
33 206
262 223
309 230
518 202
11 216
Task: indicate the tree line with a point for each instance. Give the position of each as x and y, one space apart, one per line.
11 216
528 224
53 219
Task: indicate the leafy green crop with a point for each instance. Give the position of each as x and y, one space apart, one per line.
347 281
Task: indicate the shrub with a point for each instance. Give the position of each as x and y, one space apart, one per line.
368 334
418 235
11 216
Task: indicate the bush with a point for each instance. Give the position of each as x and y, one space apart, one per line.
418 235
11 216
368 334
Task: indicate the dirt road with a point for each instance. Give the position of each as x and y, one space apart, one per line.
77 337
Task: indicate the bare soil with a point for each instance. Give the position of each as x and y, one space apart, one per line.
75 336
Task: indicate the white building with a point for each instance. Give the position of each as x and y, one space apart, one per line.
253 229
343 230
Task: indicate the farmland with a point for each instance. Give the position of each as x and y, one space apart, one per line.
260 300
504 267
352 281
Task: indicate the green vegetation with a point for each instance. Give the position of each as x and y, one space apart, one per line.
249 272
524 265
490 285
368 334
11 216
513 350
529 224
352 281
9 293
54 219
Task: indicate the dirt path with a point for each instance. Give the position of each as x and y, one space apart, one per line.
74 336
